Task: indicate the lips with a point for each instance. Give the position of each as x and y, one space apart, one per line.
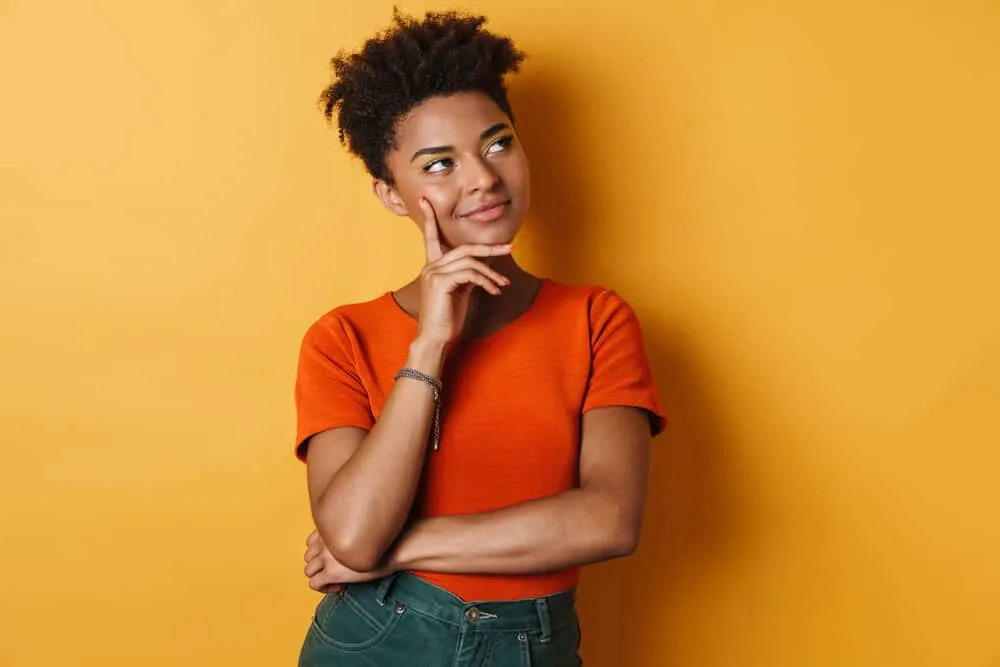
488 212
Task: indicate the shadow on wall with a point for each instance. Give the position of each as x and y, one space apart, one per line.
631 608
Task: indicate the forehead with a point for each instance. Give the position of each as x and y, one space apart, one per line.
448 121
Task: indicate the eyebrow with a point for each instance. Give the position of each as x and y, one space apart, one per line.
432 150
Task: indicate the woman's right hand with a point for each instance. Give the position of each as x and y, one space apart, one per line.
448 279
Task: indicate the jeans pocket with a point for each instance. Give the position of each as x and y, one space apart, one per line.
345 624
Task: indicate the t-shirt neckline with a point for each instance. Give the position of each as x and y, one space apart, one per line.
390 298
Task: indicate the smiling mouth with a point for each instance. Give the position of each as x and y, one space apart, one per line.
488 213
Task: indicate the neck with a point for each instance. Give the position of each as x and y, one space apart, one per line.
488 312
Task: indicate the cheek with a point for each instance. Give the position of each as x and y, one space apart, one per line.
444 199
517 173
518 184
412 190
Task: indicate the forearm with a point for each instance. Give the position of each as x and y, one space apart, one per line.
555 533
367 502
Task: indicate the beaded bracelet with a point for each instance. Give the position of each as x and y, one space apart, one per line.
436 386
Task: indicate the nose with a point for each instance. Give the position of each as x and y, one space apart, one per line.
481 176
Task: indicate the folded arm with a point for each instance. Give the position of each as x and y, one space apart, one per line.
598 521
362 483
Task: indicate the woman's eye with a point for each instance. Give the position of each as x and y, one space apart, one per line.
437 166
501 144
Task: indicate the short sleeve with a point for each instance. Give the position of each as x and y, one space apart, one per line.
328 391
620 373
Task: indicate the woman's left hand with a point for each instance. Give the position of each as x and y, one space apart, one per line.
325 573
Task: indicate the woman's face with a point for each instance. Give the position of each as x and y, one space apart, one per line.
462 155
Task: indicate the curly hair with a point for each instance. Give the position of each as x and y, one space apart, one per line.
411 61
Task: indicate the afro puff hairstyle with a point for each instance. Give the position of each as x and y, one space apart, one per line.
411 61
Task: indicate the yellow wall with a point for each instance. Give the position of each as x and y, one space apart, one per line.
800 198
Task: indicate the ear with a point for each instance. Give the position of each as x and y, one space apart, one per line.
389 197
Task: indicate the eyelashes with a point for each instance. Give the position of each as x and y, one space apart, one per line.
503 142
439 165
444 164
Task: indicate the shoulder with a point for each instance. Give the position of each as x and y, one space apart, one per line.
350 321
595 302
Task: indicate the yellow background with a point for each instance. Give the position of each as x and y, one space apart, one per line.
799 198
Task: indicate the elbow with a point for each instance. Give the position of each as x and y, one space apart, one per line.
622 533
354 552
357 557
615 533
624 540
353 547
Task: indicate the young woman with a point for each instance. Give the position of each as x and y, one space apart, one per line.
475 436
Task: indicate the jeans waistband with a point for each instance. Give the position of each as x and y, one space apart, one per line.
536 614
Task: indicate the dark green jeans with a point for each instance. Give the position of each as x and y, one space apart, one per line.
403 620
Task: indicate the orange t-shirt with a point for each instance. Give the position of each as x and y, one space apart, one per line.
511 405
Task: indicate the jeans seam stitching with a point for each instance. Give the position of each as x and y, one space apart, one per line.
357 647
354 604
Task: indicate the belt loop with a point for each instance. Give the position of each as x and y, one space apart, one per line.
383 588
542 607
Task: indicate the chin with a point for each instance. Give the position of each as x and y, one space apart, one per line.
499 231
495 235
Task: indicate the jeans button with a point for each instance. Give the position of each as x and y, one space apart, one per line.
472 615
522 637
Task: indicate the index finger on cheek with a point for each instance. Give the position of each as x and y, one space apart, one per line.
432 240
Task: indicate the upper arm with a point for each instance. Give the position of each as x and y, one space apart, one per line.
333 409
614 459
326 454
621 411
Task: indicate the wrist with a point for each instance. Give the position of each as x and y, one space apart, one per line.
427 356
